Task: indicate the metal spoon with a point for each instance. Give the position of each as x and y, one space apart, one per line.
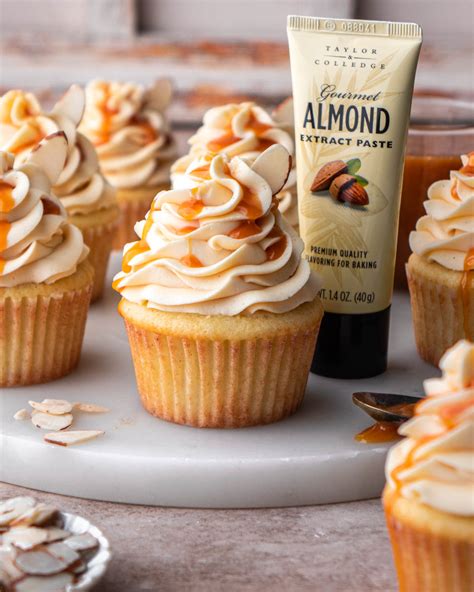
386 406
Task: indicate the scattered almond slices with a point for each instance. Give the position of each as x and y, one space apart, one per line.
56 415
91 408
56 583
35 558
81 542
46 421
52 406
22 414
72 437
39 562
25 537
14 507
35 516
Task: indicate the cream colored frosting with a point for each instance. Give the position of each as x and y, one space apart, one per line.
244 130
23 124
37 244
127 125
221 247
435 463
446 234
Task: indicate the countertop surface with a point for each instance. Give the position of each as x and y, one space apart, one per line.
330 548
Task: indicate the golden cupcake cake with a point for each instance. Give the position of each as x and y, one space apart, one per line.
221 311
87 196
440 269
245 130
429 496
126 123
45 277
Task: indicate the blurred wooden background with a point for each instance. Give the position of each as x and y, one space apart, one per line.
214 50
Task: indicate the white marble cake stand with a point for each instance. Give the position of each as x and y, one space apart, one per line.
310 458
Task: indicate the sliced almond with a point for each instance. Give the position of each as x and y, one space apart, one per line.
39 563
52 406
7 565
91 408
64 553
82 542
56 583
22 414
274 165
36 516
56 534
25 537
72 437
14 507
55 423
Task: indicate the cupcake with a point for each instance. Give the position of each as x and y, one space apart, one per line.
244 130
45 277
127 125
429 499
222 312
88 198
440 269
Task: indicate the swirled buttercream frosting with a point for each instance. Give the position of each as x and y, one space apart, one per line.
446 234
244 130
434 464
221 247
23 124
37 243
126 123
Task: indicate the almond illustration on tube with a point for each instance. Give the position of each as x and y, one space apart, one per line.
326 175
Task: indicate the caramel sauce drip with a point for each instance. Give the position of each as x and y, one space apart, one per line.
450 413
186 230
222 142
468 169
381 431
190 208
245 229
6 205
4 229
227 139
30 144
191 260
465 286
276 250
249 205
201 173
6 197
138 248
107 113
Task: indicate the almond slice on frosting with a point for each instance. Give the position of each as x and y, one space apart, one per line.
72 437
274 165
46 421
39 563
52 406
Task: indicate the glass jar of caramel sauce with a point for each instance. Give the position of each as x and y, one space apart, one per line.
441 129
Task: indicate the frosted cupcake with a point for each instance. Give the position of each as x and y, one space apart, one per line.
45 278
244 130
440 270
88 198
221 311
127 125
429 499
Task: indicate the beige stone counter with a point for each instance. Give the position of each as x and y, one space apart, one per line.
332 548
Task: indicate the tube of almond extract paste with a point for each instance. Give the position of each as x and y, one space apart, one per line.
352 90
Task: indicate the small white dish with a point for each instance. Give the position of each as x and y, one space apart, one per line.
99 560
